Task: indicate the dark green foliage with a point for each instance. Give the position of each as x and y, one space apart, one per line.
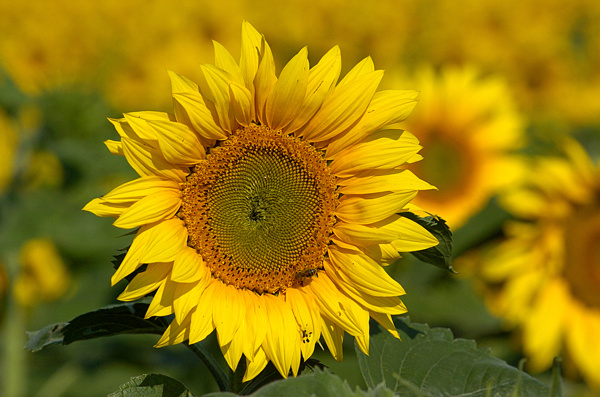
441 254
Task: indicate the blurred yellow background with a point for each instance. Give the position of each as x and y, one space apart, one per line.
502 83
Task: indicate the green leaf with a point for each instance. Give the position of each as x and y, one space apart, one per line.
319 383
429 361
126 318
153 385
270 374
441 254
49 335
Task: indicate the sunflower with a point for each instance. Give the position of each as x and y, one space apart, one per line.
9 139
468 125
544 278
43 276
265 205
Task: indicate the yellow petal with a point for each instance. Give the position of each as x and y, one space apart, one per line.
178 144
362 235
343 108
101 207
214 86
250 54
321 82
224 61
228 312
581 161
365 66
256 365
264 81
139 188
256 304
162 133
232 352
385 320
362 341
181 83
162 303
386 108
414 159
188 266
411 235
150 115
135 128
373 181
385 150
250 346
191 109
132 258
367 275
384 254
371 208
155 207
287 94
544 328
334 338
308 319
241 100
158 242
146 160
186 297
165 240
282 334
202 319
338 307
296 358
146 282
115 147
177 332
272 343
384 304
582 340
351 247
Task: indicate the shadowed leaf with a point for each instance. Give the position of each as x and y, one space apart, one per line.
153 385
126 318
49 335
319 383
441 254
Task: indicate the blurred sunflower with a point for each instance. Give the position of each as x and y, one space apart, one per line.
549 51
545 276
468 126
265 205
43 276
8 149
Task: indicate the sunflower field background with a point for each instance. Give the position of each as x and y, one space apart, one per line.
508 115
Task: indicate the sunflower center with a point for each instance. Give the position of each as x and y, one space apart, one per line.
259 210
582 254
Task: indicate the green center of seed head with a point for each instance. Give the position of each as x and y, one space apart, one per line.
262 211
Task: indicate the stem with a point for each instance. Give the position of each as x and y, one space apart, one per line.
212 365
14 353
235 378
